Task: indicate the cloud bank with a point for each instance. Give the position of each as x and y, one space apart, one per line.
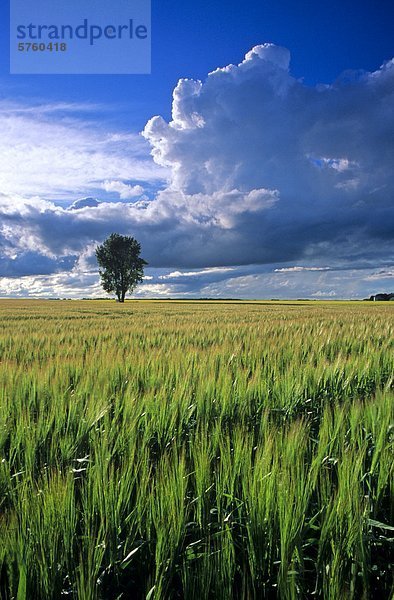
263 170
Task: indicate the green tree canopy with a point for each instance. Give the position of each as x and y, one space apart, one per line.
121 267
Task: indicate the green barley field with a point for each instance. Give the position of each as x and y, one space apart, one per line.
197 450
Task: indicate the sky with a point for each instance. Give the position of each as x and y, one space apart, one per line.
255 161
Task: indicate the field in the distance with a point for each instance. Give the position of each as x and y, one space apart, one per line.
196 450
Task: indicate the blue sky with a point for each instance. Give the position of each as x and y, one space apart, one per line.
296 195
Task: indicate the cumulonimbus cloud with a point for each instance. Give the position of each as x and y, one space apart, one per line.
325 151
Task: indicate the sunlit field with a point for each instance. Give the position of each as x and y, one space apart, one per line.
197 450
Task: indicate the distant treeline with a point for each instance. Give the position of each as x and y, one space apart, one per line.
380 297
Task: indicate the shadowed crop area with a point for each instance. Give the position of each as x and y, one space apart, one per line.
167 450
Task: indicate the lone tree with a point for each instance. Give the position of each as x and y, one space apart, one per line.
122 268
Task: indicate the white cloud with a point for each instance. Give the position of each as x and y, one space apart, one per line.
378 275
324 294
125 191
51 151
62 285
300 269
155 290
84 203
338 164
201 273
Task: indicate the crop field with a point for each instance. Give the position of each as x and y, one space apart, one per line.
197 450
